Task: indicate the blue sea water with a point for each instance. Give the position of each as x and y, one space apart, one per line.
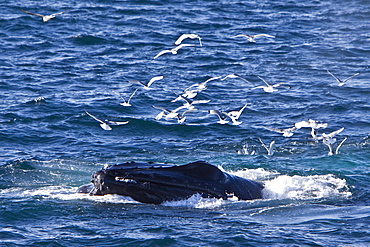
52 72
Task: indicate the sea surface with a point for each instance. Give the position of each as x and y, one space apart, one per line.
83 61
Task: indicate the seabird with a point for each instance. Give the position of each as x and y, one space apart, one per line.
126 103
105 123
146 86
173 50
190 102
314 125
234 115
270 149
203 85
329 140
188 36
341 82
45 18
221 115
234 76
269 88
172 114
251 38
286 132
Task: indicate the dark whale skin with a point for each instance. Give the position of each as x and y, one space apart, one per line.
156 183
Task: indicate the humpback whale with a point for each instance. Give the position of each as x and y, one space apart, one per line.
155 183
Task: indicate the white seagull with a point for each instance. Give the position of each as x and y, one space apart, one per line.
126 103
286 132
234 76
188 36
189 102
234 115
251 38
221 115
314 125
105 123
341 82
270 149
172 114
331 150
329 140
203 85
146 86
173 50
45 18
269 88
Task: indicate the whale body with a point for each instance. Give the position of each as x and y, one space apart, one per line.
156 183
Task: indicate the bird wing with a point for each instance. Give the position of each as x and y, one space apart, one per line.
32 13
332 134
137 81
302 124
97 119
350 77
240 35
180 46
117 122
263 35
336 78
264 81
263 144
181 38
161 108
61 12
340 144
162 52
128 101
156 78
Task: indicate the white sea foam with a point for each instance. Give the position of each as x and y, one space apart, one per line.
305 187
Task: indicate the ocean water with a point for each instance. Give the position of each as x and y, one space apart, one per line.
52 73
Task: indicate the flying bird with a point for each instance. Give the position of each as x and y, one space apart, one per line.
146 86
188 36
269 88
313 124
105 124
173 50
251 38
45 18
329 140
203 85
341 82
234 115
286 132
234 76
270 148
126 103
172 114
221 115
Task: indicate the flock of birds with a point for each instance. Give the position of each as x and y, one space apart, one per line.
188 95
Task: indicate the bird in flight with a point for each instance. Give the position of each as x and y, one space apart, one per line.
188 36
105 123
341 82
173 50
45 18
146 86
269 88
126 103
251 38
270 148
